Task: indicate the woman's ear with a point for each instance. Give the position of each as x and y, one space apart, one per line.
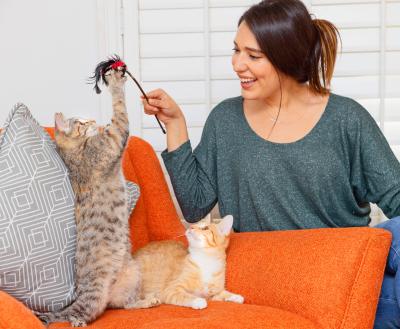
225 225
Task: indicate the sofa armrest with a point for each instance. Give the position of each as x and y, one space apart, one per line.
13 314
330 276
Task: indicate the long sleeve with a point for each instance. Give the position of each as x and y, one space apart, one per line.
193 174
375 169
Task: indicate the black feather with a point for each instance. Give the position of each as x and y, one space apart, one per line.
100 72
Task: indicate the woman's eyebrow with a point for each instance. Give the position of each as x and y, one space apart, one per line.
249 48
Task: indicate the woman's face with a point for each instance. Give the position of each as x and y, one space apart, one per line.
258 78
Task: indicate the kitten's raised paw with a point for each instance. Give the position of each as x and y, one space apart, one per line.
115 80
235 298
199 303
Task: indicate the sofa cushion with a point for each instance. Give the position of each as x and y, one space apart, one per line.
216 315
37 224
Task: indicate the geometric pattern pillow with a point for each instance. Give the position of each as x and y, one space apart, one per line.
37 224
132 195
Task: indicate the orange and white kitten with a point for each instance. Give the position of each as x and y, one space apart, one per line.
174 274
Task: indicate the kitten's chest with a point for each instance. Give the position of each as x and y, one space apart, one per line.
211 276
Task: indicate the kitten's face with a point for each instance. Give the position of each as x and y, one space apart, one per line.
210 235
72 130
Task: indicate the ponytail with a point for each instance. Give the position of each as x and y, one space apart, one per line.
324 56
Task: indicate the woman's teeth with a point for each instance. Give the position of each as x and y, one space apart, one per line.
247 80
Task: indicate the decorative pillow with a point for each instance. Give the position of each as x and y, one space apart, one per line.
132 195
37 224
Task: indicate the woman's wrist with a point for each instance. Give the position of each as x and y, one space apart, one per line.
177 133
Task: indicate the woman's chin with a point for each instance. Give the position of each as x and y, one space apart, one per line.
250 95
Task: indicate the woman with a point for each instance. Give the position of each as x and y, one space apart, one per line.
287 154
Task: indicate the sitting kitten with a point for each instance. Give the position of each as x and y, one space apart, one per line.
106 274
174 274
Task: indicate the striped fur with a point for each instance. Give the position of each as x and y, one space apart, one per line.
107 276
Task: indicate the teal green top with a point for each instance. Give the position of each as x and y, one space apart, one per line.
325 179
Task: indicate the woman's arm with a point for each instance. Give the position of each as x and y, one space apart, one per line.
193 174
375 170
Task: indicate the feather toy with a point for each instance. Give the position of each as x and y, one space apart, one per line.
115 63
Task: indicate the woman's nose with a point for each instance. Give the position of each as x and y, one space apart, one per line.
238 63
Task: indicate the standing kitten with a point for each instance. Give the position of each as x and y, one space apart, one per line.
106 275
173 274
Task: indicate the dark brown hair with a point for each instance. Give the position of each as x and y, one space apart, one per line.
296 45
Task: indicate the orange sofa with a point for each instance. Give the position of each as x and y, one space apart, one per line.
305 279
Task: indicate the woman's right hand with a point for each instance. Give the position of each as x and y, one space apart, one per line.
163 105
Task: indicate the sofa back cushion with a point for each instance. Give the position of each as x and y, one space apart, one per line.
155 216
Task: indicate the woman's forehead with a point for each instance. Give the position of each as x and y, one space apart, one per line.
244 37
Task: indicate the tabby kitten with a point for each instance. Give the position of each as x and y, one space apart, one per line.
106 274
174 274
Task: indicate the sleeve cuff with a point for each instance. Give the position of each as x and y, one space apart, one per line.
182 150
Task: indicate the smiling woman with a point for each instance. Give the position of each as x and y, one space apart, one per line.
287 153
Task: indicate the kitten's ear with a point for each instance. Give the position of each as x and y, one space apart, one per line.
225 225
60 123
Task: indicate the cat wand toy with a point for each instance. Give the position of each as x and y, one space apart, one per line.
115 63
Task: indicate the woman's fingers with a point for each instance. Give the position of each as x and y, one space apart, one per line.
148 109
157 93
157 103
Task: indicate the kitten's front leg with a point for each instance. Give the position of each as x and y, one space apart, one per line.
227 296
182 298
116 83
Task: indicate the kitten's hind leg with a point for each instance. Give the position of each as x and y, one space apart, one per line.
147 302
227 296
90 303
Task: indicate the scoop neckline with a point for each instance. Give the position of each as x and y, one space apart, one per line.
300 140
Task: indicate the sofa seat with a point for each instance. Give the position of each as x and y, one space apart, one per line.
216 315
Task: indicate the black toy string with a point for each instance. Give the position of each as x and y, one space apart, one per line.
115 63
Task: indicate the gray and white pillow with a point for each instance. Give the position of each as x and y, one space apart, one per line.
37 224
132 195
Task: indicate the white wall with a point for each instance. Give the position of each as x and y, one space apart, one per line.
49 47
48 50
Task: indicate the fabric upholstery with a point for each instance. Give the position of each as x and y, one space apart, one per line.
322 278
37 224
217 315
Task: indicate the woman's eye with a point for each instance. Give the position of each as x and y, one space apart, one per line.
235 50
254 57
